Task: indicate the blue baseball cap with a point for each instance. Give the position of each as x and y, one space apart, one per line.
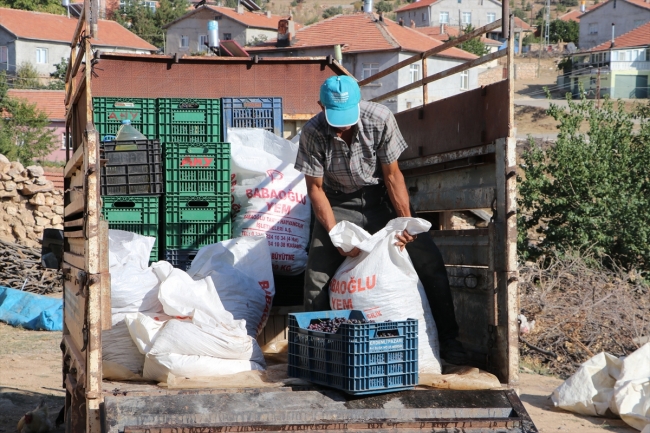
341 95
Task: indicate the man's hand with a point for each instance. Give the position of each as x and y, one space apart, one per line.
352 253
403 239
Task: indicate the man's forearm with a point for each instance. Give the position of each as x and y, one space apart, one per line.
322 207
398 194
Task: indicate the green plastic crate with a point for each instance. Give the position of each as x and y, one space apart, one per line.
136 214
193 222
109 113
193 169
189 120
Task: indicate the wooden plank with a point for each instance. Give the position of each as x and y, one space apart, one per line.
442 158
106 321
77 246
78 359
75 162
74 234
79 222
74 260
75 207
75 306
431 52
468 188
78 90
440 75
471 250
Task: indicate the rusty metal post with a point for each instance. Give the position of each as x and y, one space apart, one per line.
505 14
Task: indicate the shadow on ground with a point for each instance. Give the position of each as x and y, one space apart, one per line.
14 403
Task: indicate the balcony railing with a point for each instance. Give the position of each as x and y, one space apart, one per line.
632 65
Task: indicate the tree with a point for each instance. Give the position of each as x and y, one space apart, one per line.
591 189
566 31
383 6
332 11
24 132
26 77
144 22
49 6
474 45
59 75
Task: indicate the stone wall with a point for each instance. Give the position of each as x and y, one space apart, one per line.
29 203
491 76
526 71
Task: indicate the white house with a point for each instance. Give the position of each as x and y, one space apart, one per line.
623 15
428 13
43 39
620 69
189 33
371 45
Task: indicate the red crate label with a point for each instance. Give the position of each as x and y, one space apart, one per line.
196 162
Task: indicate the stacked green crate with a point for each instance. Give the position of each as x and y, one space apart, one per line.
110 112
137 214
197 176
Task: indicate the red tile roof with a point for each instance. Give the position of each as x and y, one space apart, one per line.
49 101
359 33
521 24
258 20
640 3
434 32
639 37
572 16
416 5
60 28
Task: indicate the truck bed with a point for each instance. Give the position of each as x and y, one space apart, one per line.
140 408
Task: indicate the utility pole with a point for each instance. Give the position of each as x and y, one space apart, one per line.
598 88
547 19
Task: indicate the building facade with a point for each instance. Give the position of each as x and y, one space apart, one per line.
44 40
370 46
189 33
427 13
624 15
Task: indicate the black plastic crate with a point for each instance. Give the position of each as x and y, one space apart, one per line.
132 168
181 259
358 359
265 113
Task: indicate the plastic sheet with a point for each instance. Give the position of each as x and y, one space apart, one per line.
30 311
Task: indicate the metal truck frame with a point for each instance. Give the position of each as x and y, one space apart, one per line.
461 156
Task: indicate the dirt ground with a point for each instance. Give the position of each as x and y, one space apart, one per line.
30 369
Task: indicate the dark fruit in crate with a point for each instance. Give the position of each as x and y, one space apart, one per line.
332 325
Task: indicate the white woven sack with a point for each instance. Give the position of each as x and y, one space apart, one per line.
158 367
241 272
270 196
382 282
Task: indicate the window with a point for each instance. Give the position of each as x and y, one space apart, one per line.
467 18
593 28
460 1
151 5
227 36
414 71
464 80
423 18
4 55
444 17
185 41
203 40
369 69
491 17
41 55
64 141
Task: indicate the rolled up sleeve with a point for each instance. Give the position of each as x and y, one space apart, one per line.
393 144
309 159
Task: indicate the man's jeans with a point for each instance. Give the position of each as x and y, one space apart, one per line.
371 209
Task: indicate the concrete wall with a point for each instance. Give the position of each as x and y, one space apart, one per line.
625 17
431 16
251 34
607 83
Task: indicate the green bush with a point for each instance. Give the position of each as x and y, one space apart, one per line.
332 11
591 189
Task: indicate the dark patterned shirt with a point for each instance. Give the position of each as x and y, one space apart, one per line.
377 140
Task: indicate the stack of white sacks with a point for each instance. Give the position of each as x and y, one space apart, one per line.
191 324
